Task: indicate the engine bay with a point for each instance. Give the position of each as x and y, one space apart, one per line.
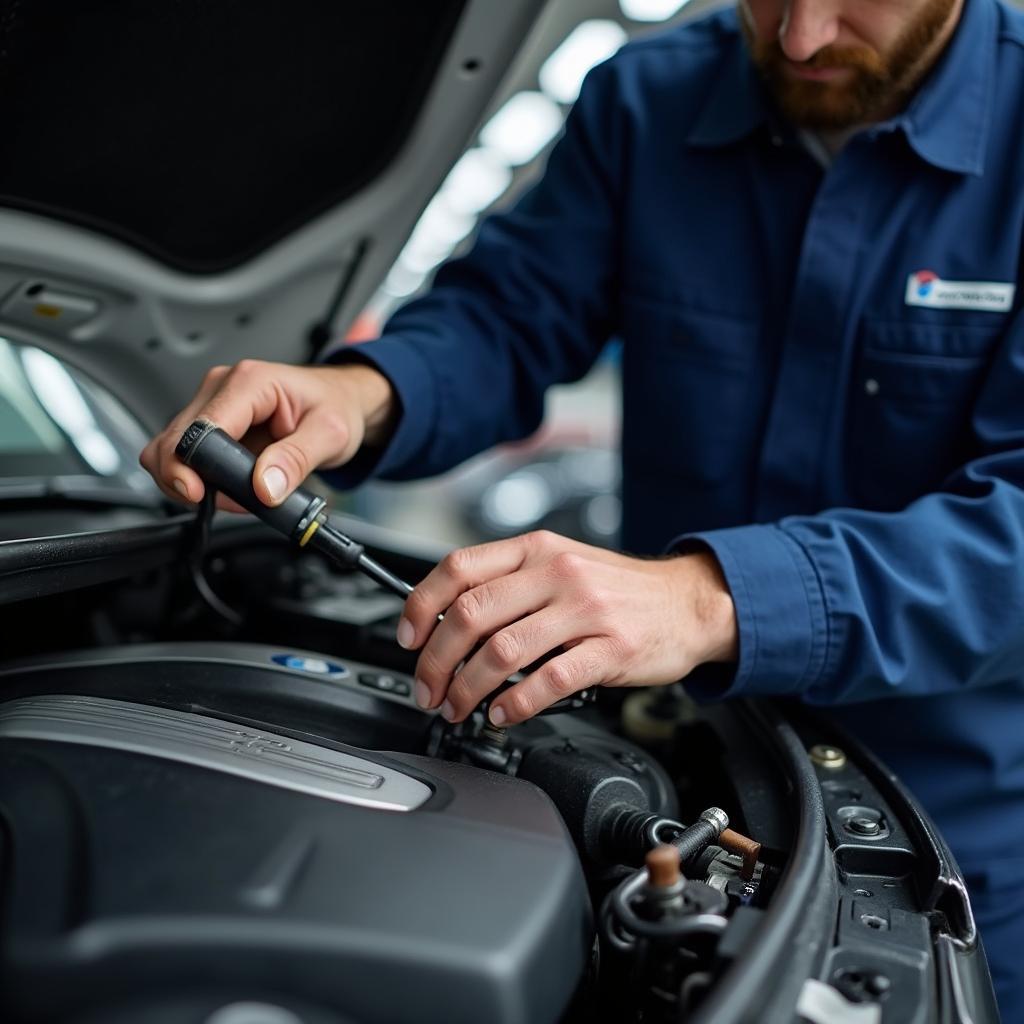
220 793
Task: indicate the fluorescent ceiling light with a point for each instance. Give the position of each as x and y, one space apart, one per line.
477 181
438 231
591 42
522 128
651 10
402 281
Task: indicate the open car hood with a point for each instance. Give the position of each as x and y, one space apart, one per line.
189 183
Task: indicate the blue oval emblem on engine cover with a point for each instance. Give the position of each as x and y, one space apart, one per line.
314 666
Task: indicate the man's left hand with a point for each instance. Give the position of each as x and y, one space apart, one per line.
620 621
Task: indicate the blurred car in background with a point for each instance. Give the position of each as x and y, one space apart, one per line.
571 491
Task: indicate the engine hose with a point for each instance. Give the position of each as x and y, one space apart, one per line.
626 834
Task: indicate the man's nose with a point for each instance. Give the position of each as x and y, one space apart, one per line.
807 26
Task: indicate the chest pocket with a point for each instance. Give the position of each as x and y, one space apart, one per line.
687 376
913 389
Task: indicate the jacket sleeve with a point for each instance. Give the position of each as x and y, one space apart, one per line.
851 605
529 306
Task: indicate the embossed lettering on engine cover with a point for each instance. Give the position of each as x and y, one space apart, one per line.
214 744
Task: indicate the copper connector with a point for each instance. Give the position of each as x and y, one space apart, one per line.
662 864
744 847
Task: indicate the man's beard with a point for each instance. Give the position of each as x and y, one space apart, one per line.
877 83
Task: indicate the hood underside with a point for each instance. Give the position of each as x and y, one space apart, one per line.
189 182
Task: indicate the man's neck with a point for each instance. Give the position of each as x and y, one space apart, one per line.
824 144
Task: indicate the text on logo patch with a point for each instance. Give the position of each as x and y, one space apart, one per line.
926 288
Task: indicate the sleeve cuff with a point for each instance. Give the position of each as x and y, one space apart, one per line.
409 372
780 613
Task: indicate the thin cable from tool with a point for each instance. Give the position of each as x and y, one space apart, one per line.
195 562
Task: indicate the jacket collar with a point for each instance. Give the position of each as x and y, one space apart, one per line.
947 121
737 102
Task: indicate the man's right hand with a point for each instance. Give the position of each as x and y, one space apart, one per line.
296 418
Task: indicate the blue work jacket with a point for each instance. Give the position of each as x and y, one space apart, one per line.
823 381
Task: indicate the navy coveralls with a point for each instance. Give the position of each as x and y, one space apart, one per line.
823 377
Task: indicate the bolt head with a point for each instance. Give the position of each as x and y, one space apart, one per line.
879 984
717 817
864 826
826 756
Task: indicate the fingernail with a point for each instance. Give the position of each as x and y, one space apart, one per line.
275 482
422 693
497 716
447 711
179 486
406 634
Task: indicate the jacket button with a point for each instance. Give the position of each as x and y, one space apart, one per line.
871 386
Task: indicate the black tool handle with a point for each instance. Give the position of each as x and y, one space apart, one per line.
227 466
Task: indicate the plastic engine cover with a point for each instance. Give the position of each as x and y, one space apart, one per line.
152 854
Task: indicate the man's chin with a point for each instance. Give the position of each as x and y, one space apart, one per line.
821 105
823 119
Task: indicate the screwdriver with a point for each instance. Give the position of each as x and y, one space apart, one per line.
227 466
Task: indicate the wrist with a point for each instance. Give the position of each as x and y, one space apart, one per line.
711 609
375 398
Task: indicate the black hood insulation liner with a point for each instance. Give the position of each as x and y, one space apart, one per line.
203 131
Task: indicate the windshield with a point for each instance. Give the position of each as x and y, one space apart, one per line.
56 424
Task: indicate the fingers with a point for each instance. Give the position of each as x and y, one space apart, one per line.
474 615
309 418
172 476
460 571
320 438
503 612
586 664
250 394
232 397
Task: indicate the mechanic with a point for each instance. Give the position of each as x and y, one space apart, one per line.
804 219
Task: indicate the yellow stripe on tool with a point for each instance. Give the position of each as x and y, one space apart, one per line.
310 530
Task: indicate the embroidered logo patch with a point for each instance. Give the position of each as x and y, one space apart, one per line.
926 288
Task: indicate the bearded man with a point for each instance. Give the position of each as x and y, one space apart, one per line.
805 221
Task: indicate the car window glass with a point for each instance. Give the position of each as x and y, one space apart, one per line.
55 422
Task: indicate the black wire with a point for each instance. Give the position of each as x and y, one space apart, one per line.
195 562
